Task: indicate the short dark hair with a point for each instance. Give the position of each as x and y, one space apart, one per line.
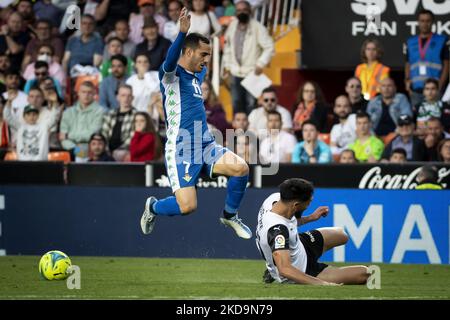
362 114
296 189
12 72
40 64
425 11
433 81
268 90
310 122
274 112
429 174
97 136
193 40
114 39
46 21
121 58
400 151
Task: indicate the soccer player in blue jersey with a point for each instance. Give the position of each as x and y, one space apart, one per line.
190 147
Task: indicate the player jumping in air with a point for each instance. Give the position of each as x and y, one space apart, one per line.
190 147
292 257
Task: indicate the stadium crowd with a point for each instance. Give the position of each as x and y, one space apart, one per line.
93 93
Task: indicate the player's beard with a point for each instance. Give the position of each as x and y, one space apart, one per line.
298 214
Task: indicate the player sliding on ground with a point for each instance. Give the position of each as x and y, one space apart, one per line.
190 147
292 257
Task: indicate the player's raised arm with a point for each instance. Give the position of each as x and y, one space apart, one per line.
316 215
175 49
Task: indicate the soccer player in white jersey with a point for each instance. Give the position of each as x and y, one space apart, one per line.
187 131
292 257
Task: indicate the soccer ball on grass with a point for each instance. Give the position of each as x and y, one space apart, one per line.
54 264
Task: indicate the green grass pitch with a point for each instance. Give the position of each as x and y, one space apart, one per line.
155 278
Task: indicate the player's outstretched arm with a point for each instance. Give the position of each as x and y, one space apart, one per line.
316 215
174 51
283 262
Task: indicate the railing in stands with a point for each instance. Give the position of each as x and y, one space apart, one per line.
279 16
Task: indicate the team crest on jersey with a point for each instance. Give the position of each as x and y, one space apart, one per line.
280 241
187 177
197 89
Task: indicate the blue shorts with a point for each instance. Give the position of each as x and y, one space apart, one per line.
184 165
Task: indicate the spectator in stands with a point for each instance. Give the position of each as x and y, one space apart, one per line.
40 74
215 114
405 140
371 72
79 122
4 131
432 106
55 105
115 47
144 83
43 37
311 149
444 150
278 145
354 93
13 40
138 21
427 56
435 134
97 149
85 49
154 46
108 12
245 35
16 98
385 109
145 144
398 156
244 142
55 70
171 27
118 124
258 117
347 156
310 105
203 21
5 65
428 179
25 9
32 137
46 10
344 132
121 31
110 84
367 147
156 112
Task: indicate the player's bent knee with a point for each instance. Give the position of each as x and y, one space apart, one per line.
188 207
343 236
364 275
241 170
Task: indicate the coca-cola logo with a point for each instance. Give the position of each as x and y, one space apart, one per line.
374 179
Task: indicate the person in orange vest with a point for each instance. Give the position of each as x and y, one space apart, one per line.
371 72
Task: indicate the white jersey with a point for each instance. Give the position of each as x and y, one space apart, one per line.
275 232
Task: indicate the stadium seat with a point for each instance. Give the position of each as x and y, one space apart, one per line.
59 156
11 156
225 21
325 137
388 138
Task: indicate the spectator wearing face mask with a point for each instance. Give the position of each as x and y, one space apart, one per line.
45 53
